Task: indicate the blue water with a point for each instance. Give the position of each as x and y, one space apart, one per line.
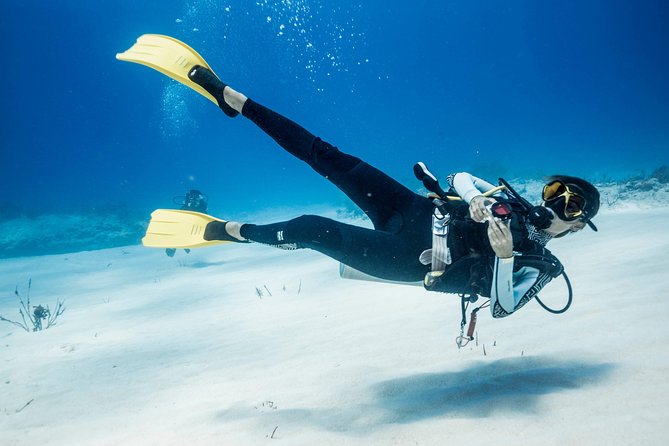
519 89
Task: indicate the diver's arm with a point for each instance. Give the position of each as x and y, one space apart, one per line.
468 186
471 190
505 291
502 285
509 288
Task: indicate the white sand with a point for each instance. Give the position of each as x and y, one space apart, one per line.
183 351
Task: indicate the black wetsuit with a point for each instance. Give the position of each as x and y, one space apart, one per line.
401 218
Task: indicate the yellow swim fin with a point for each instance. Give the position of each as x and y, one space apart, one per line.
169 56
171 228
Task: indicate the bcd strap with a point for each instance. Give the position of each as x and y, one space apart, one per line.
441 255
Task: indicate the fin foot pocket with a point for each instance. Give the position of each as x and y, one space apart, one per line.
215 230
206 79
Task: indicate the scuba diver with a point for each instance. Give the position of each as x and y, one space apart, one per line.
194 200
474 239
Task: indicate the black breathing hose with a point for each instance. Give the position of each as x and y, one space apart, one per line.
569 299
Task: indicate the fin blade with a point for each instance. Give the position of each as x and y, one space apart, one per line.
169 56
171 228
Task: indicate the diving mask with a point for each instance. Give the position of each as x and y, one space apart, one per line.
574 204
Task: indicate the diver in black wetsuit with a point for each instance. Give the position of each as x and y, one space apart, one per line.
404 221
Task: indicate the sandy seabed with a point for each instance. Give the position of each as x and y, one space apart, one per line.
245 345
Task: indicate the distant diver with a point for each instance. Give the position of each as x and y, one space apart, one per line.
195 201
474 239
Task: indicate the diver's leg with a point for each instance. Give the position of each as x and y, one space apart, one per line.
385 201
378 253
382 198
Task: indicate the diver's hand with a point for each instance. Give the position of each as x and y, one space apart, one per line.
500 238
478 208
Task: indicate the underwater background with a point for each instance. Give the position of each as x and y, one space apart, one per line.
520 89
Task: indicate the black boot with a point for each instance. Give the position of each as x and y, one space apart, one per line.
216 231
208 80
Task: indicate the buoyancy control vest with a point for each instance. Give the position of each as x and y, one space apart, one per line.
470 265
